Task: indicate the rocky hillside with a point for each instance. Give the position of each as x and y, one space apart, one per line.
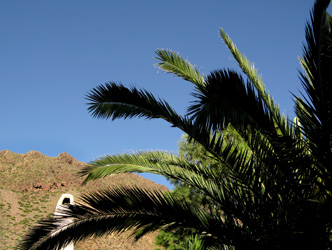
31 185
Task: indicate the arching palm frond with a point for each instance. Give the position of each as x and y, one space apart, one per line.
120 209
157 162
204 179
115 101
282 124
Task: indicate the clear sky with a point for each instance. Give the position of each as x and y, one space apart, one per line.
53 52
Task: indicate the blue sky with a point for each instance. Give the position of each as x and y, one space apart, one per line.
53 52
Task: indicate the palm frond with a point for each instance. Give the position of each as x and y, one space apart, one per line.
281 123
173 167
115 101
118 210
157 162
172 62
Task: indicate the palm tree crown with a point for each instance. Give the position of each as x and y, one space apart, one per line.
272 187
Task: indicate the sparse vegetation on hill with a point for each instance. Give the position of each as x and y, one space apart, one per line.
31 185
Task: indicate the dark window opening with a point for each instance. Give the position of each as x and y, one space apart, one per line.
66 201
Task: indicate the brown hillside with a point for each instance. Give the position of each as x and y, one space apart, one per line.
31 185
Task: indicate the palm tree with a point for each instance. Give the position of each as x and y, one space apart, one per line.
272 187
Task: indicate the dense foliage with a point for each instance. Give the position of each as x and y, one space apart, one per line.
270 186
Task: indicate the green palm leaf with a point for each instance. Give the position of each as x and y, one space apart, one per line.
200 177
172 62
157 162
